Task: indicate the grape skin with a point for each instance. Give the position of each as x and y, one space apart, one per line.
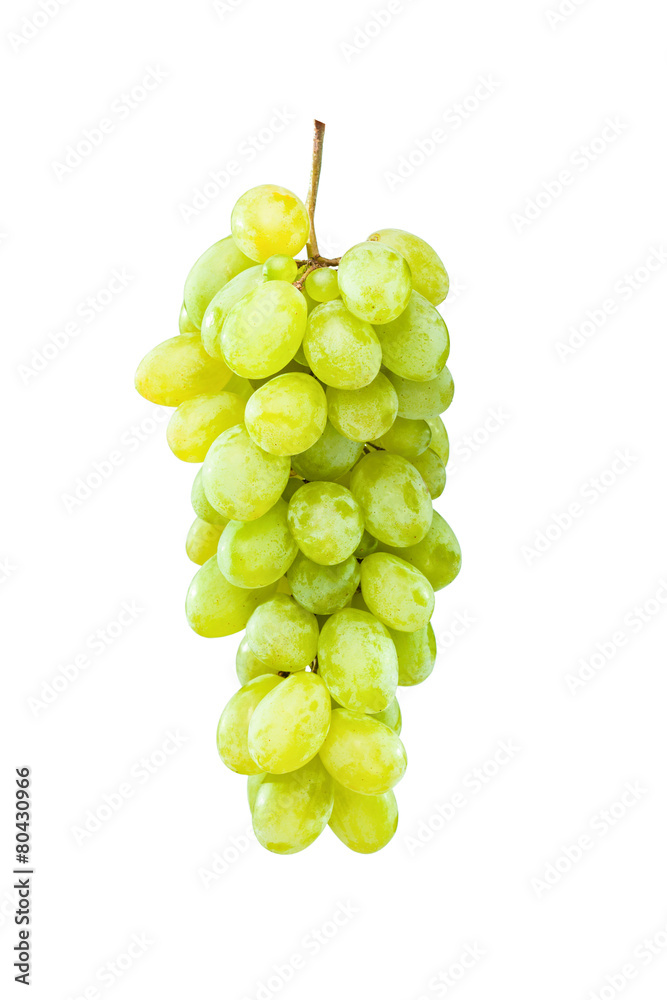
364 823
289 811
416 345
393 497
343 351
282 634
326 522
263 331
290 724
222 303
269 220
323 589
423 400
432 470
240 480
363 754
330 457
179 369
396 592
375 282
358 661
202 541
216 266
365 414
257 553
232 736
214 607
429 276
288 414
197 422
437 555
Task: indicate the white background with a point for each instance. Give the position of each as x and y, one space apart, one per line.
472 880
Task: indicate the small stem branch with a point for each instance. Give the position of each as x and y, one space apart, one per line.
318 140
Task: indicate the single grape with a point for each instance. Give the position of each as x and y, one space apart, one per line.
179 369
242 481
249 666
439 439
202 541
322 285
416 655
408 438
290 811
437 556
216 266
423 400
396 592
357 661
233 726
342 350
364 414
330 457
185 324
223 302
364 823
202 507
215 608
393 498
374 282
391 715
269 220
363 754
293 484
280 267
432 470
429 276
288 730
263 331
282 634
416 345
323 589
257 553
240 386
254 782
366 546
326 522
288 414
197 423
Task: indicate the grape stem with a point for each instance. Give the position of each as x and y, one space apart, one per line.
314 260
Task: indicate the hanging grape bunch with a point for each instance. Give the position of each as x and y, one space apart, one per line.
310 392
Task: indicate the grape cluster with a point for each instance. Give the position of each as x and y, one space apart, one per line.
311 392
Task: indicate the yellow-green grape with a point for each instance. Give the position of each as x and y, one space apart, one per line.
330 457
284 587
416 345
215 608
197 423
391 715
393 497
366 546
439 438
216 266
202 507
293 484
323 589
375 282
288 414
257 553
429 276
422 400
282 634
185 324
179 369
364 823
342 350
437 556
322 285
270 220
288 730
416 655
291 366
223 302
202 541
396 592
254 782
358 602
326 522
290 811
300 357
242 481
363 414
363 754
357 661
249 666
263 331
432 470
280 267
234 722
408 438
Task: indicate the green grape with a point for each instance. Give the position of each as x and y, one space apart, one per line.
202 507
290 811
283 587
241 480
185 324
439 438
282 634
216 266
363 754
293 484
326 522
391 715
432 470
358 602
416 655
364 414
408 438
357 661
179 369
263 331
429 277
300 358
223 302
422 400
366 546
291 366
374 282
364 823
330 457
393 497
254 782
416 345
288 730
323 589
202 541
249 666
437 556
342 350
288 414
197 423
270 220
257 553
322 285
234 722
396 592
215 608
280 267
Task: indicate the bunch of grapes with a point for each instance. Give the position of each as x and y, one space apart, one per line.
311 391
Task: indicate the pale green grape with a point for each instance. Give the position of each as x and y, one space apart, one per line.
179 369
416 345
396 592
234 722
241 480
323 589
215 608
322 285
287 730
439 438
291 366
358 661
363 414
257 553
342 350
437 556
288 414
364 823
393 497
300 357
202 507
416 655
280 267
185 324
293 484
374 282
429 276
249 666
202 541
326 522
216 266
270 220
432 470
283 587
423 400
391 715
408 438
263 331
366 546
254 782
223 302
358 602
363 754
290 811
282 634
240 386
197 423
330 457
